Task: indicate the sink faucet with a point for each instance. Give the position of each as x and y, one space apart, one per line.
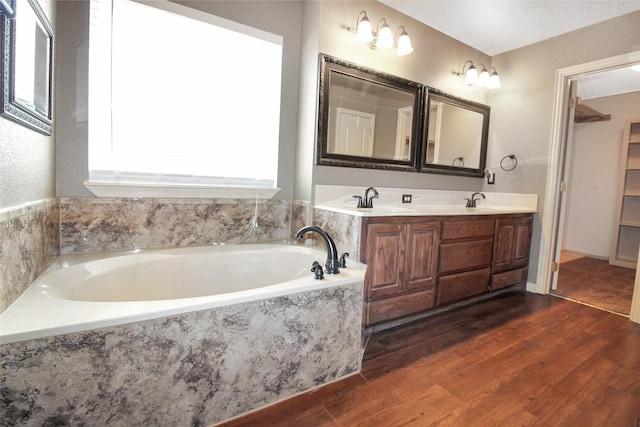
332 253
471 203
368 201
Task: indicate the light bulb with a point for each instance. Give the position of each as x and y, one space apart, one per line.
364 34
483 78
385 37
494 81
472 75
404 45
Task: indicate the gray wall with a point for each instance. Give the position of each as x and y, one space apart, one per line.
433 61
27 158
522 109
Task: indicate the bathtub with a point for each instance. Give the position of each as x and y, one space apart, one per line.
190 336
86 291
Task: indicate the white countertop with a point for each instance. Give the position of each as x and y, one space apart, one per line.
423 202
423 210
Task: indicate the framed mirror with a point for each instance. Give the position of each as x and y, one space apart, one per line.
457 134
27 66
367 118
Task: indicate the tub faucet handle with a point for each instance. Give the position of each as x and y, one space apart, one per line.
316 268
343 261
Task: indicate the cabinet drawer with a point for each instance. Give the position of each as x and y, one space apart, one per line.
455 287
467 229
509 278
465 255
396 307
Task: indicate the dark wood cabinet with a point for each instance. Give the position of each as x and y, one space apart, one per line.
402 268
465 258
511 247
512 242
415 264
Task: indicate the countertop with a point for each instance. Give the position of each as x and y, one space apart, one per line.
423 210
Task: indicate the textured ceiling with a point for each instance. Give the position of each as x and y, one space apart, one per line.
497 26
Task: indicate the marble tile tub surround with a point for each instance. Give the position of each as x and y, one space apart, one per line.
29 243
344 229
193 369
343 195
104 224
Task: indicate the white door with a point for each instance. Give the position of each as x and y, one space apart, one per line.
564 175
354 133
403 133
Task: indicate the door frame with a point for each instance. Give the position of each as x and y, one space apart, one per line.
550 220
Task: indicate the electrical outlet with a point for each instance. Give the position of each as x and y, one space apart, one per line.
406 198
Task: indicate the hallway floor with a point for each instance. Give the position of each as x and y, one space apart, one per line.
595 282
520 359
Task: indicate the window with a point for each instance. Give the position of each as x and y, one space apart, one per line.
181 98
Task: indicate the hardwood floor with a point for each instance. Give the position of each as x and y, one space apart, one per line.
519 360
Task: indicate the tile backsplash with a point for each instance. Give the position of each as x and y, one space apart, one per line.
104 224
29 243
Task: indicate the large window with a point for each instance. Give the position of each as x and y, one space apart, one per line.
181 97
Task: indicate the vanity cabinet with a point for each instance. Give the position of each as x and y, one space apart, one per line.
402 271
511 251
415 264
465 258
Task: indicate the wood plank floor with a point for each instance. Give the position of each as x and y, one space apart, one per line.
519 360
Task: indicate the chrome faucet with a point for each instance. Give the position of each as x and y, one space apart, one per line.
471 203
332 253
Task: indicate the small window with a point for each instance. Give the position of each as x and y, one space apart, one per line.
178 97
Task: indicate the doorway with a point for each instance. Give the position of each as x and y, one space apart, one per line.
592 175
556 202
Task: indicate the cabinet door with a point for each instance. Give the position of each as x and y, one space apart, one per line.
385 265
421 255
522 242
511 243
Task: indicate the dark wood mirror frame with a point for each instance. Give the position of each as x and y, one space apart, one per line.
484 110
10 107
332 66
422 96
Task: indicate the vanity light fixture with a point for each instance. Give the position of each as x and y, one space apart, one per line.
494 79
404 43
363 30
482 78
383 37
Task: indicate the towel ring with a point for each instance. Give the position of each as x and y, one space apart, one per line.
461 159
512 157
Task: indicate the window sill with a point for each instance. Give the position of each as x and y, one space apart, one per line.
118 189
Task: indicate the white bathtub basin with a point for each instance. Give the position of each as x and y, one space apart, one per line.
76 294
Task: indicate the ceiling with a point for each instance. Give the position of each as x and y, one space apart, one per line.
498 26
